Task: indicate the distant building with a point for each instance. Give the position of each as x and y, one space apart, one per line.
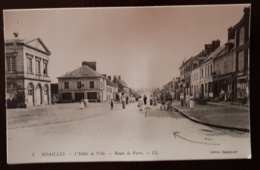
207 68
112 89
83 83
27 72
54 92
122 87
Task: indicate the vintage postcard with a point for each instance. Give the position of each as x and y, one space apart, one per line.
127 83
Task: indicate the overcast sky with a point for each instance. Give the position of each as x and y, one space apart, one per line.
146 46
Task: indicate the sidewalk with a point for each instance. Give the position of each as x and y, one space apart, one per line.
221 116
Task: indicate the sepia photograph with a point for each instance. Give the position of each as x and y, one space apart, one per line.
125 84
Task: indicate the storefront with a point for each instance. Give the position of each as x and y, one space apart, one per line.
242 88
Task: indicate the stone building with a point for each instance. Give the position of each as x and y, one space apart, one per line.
27 72
232 68
122 87
207 68
83 83
112 89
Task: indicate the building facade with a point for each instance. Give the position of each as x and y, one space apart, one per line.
207 68
232 68
83 83
27 73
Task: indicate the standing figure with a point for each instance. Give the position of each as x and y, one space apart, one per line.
127 99
123 100
155 101
151 100
111 104
81 105
182 98
140 104
145 99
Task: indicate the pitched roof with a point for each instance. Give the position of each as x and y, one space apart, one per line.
120 83
31 44
110 83
215 53
83 71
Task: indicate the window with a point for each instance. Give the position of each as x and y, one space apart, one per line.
242 36
29 65
202 73
45 68
241 61
79 85
38 67
30 89
210 69
11 86
91 84
101 85
10 63
66 85
206 71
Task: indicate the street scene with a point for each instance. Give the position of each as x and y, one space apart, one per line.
127 84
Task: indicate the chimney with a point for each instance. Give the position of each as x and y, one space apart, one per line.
91 64
231 33
217 43
208 48
114 79
109 78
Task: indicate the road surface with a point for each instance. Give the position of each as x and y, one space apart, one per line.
118 135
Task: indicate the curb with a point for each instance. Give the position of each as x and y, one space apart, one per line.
209 124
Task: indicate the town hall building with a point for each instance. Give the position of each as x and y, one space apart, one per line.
27 72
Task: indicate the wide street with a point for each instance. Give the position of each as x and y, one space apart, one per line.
62 132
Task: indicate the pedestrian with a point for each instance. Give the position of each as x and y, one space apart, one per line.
145 99
81 105
163 104
123 100
85 102
140 104
151 100
111 104
127 99
182 98
155 101
169 104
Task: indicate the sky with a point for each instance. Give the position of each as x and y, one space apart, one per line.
144 45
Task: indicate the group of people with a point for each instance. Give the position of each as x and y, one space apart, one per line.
166 103
124 101
143 101
83 103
